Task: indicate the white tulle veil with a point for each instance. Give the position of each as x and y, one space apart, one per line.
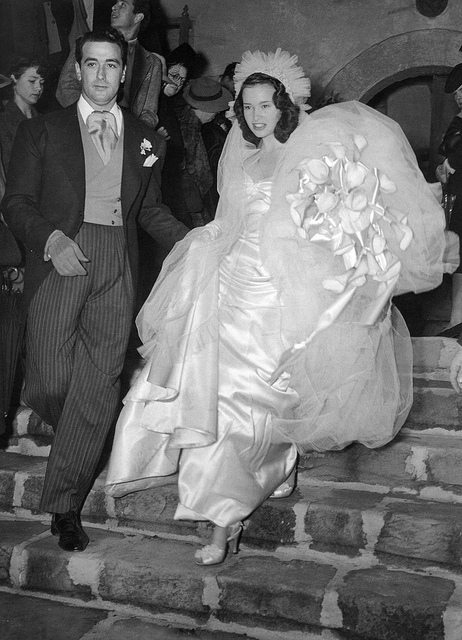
341 360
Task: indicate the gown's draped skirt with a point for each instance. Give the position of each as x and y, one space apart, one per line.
212 415
229 465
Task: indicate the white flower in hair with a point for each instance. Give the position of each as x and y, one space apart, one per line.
280 65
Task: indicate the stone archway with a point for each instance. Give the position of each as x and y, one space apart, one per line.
425 51
430 53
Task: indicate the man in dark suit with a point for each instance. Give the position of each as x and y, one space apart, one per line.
78 181
144 71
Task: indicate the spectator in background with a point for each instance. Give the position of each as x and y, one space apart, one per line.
4 99
205 98
214 135
227 78
175 179
27 76
145 70
25 84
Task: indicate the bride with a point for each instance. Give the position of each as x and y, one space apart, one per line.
270 332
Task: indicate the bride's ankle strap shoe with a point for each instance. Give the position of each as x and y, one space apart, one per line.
234 537
211 554
286 488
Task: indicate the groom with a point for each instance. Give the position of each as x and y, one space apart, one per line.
79 180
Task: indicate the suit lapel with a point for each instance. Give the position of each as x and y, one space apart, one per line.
65 137
132 161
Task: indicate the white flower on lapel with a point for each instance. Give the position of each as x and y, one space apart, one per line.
150 160
145 146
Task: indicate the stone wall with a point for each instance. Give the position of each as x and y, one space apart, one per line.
350 46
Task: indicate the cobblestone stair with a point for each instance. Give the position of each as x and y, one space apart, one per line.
369 546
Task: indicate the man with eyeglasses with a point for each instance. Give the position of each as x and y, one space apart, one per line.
145 69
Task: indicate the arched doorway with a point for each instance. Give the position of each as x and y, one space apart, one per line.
403 76
422 108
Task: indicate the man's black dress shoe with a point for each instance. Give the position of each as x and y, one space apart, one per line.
68 527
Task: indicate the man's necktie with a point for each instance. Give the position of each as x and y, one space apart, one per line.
102 128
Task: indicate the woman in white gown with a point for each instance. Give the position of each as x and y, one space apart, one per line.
270 331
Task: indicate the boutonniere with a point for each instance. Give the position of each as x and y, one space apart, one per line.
145 147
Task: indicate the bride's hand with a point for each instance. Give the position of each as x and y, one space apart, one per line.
211 231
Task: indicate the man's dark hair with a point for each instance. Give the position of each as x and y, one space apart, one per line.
101 35
144 7
290 112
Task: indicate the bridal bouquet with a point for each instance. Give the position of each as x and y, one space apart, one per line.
339 205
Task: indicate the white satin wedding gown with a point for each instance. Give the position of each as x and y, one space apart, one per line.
227 479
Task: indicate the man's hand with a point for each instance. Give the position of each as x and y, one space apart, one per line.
67 257
455 371
163 132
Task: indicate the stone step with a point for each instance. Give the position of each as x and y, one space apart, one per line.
436 405
436 409
44 616
428 463
259 594
30 435
348 518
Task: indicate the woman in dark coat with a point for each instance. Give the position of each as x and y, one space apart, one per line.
27 77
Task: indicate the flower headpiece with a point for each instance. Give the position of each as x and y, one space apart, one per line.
280 65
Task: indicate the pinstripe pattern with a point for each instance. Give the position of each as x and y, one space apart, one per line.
77 334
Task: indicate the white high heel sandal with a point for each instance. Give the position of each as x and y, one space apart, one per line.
211 554
286 488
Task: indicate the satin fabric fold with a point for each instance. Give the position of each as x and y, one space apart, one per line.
209 413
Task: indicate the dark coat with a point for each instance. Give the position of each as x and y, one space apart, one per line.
10 119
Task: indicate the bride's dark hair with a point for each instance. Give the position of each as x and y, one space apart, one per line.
289 111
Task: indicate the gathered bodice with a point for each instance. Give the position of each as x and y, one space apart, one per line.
242 272
258 197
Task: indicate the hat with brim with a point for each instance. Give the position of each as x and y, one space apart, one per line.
454 79
207 95
4 81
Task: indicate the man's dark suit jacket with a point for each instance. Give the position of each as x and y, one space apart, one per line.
46 189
